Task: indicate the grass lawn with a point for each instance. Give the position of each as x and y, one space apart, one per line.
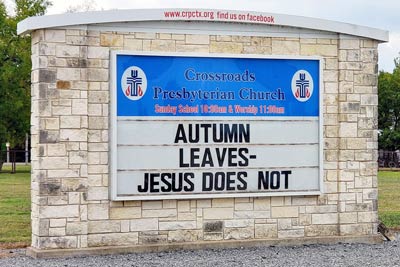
15 203
15 206
389 198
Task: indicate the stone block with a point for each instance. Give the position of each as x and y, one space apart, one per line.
52 123
322 208
328 218
186 216
162 45
368 217
284 212
217 213
192 48
213 226
79 107
184 236
46 76
98 97
97 75
239 223
183 206
54 36
345 175
77 228
244 206
145 35
348 217
223 47
223 203
133 44
98 193
304 200
68 122
153 239
98 211
163 213
74 197
63 85
265 231
98 52
77 135
58 222
295 233
53 163
74 184
263 203
285 224
77 157
66 173
364 79
68 74
149 205
61 242
113 239
239 233
98 123
125 212
40 227
347 129
67 51
213 236
356 229
318 49
281 47
95 227
250 214
177 225
57 200
54 212
321 230
349 44
369 99
111 40
142 225
197 39
48 137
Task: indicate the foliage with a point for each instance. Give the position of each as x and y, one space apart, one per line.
15 71
88 5
389 108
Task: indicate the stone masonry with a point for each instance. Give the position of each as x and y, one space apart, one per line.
70 147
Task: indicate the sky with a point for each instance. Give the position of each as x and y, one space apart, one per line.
381 14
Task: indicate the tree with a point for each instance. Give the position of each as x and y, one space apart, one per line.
88 5
389 108
15 71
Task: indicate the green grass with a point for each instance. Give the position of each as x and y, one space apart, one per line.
15 205
389 198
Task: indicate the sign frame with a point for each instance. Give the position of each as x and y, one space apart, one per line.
113 127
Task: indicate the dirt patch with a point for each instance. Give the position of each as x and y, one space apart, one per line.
13 245
8 250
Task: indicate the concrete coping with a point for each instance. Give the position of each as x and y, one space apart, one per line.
194 15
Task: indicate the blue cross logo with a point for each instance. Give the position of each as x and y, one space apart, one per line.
134 81
302 84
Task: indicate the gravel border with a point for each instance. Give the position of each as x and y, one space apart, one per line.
386 254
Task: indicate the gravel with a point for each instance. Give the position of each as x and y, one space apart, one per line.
386 254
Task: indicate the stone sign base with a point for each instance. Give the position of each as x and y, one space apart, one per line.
56 253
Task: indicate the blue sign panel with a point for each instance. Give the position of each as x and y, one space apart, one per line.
149 85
